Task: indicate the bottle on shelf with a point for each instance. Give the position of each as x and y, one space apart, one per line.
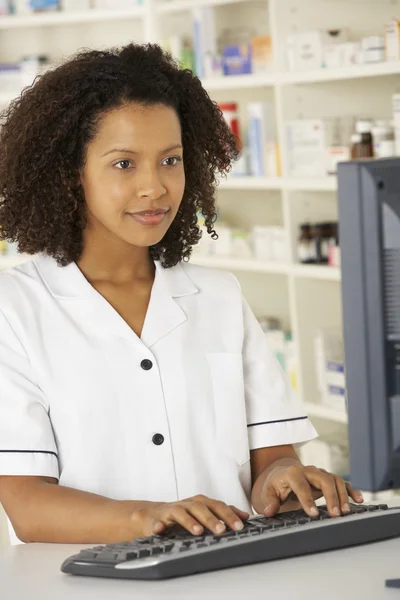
362 141
306 248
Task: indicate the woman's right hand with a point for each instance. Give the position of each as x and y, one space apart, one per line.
194 514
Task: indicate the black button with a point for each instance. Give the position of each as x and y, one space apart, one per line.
158 439
146 364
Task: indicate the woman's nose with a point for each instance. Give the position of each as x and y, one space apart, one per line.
149 184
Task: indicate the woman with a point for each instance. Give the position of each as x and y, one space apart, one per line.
137 390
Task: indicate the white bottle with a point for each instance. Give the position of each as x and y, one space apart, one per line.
384 140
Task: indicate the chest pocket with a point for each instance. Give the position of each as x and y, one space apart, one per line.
229 404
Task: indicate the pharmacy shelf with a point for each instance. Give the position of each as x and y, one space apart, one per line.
296 78
318 184
251 183
68 18
240 264
182 5
256 266
320 411
316 272
322 184
236 82
356 72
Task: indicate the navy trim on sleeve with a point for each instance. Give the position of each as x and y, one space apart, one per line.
279 421
29 452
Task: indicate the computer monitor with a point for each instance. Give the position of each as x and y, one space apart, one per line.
369 226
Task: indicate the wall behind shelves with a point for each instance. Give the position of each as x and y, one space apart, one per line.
244 209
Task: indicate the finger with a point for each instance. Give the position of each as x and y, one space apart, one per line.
272 502
206 517
179 514
327 484
342 494
240 513
158 527
301 487
233 517
356 495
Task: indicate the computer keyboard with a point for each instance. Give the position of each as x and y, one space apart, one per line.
178 552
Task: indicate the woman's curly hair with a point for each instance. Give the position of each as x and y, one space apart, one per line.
45 133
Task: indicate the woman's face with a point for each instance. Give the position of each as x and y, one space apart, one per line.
134 179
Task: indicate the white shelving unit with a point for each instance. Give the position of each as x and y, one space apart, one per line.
57 18
305 297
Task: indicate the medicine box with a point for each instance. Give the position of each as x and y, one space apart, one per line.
392 40
236 59
306 148
263 150
261 51
306 50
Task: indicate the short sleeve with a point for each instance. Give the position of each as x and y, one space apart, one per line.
27 444
275 414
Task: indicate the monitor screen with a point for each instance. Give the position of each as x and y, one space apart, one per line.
369 222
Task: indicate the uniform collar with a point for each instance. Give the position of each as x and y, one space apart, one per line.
164 313
69 281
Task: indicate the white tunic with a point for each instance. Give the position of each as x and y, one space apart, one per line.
162 417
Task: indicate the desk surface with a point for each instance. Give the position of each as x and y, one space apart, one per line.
33 571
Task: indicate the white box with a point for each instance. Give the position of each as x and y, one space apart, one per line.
350 51
333 56
392 40
372 42
279 244
306 50
262 243
306 145
334 156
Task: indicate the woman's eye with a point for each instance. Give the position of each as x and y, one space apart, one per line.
172 161
123 164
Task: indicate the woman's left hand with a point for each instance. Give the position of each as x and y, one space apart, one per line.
305 485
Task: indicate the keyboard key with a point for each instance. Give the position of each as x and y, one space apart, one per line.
87 554
107 556
127 555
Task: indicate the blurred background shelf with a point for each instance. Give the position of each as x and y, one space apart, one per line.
237 82
248 265
173 6
320 411
317 272
327 184
252 183
342 74
239 264
69 17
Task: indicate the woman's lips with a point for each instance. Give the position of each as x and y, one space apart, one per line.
150 218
